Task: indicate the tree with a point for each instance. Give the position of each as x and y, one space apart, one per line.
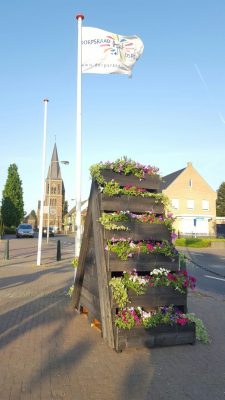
65 208
12 198
220 202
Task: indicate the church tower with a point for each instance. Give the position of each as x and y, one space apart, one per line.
54 193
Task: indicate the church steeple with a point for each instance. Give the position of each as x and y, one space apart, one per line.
54 171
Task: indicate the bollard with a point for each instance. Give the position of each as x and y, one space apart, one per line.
6 253
58 255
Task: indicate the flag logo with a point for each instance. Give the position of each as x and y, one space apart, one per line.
118 46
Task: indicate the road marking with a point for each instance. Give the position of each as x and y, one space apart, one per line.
213 277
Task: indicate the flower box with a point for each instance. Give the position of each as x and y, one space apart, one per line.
136 204
139 231
161 335
141 262
158 296
151 182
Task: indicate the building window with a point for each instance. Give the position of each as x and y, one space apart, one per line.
58 189
205 205
175 203
190 183
190 204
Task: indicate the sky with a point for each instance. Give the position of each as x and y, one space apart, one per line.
172 110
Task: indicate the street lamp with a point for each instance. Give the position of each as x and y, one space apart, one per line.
49 190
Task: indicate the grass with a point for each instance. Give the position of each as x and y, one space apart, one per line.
193 242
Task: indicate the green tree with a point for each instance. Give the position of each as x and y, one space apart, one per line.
65 208
220 202
12 198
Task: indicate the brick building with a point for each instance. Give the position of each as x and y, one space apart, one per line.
193 202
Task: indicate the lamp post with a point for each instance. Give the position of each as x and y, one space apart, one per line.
49 191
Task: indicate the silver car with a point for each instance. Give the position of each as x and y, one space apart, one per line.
24 230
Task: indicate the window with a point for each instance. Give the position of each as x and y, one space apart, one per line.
175 203
190 182
190 204
205 205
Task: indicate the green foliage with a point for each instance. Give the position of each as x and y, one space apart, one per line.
108 221
1 227
74 262
193 242
69 291
119 291
65 208
9 230
126 248
123 165
165 316
201 331
220 202
120 286
12 199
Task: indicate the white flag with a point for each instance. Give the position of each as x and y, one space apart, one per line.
107 53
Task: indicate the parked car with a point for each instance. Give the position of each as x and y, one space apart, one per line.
24 230
45 230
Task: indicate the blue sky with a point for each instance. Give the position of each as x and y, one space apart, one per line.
172 110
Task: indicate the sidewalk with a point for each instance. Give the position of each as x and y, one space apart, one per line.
48 351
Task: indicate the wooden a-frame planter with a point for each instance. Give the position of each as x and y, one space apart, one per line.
96 267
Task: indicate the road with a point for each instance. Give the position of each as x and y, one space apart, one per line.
208 266
27 248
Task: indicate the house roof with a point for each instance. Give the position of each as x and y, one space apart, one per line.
84 205
168 179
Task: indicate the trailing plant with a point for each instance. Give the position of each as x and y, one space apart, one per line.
119 291
124 166
165 315
69 291
160 277
74 262
201 331
112 188
129 280
179 281
125 248
108 219
128 318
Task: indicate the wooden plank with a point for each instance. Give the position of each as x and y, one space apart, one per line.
162 335
104 292
139 231
158 296
130 203
151 182
83 253
141 262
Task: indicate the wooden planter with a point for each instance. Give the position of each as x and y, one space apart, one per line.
158 296
162 335
150 182
141 262
139 231
130 203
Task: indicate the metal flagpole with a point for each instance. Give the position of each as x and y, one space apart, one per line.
79 18
43 186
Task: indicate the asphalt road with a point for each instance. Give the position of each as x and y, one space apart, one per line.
208 266
27 247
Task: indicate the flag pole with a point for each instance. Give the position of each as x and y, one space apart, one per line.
79 18
43 186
